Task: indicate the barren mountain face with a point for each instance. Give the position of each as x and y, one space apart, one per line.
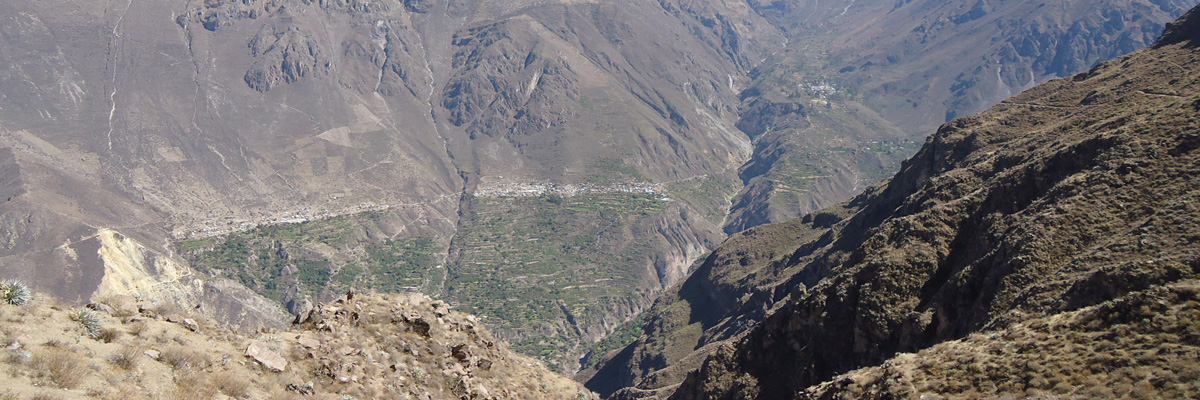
398 129
550 165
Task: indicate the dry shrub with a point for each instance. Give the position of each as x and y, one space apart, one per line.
138 328
17 357
127 358
192 386
123 391
8 395
46 396
61 368
108 335
165 309
183 359
231 384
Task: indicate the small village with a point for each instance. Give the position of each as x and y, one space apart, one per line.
513 189
232 224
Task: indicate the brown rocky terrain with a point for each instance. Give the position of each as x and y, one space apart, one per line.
1059 223
364 346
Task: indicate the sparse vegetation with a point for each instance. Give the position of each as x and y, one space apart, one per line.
272 258
108 335
137 328
624 335
59 367
181 358
232 385
126 358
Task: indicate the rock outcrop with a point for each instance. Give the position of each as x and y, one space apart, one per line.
361 345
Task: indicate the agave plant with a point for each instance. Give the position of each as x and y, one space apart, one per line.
91 323
15 292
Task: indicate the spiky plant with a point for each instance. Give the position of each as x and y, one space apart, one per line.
15 292
90 321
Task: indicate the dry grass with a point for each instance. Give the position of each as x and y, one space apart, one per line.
17 357
192 386
108 335
46 396
165 309
181 358
231 384
201 365
138 328
61 368
127 358
122 392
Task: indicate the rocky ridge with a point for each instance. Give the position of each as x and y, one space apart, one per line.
361 345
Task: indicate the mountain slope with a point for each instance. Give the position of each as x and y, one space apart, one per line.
817 127
864 82
185 127
1078 194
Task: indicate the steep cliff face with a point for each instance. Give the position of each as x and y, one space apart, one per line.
134 270
1048 217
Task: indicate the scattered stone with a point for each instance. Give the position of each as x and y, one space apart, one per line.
308 342
419 325
441 309
190 324
102 308
153 354
20 357
259 352
302 310
460 352
305 389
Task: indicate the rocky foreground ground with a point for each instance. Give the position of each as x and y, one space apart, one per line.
359 346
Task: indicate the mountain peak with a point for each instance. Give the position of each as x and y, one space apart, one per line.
1184 29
